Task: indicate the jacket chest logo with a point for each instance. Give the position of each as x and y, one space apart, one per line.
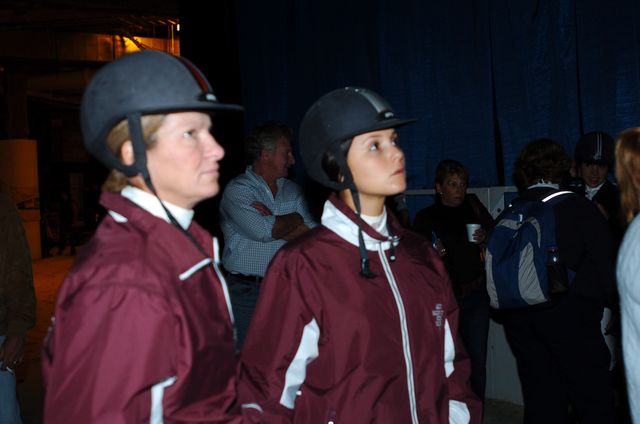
438 313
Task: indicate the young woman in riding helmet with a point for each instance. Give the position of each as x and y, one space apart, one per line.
356 321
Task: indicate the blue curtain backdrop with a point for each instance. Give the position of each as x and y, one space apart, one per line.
483 77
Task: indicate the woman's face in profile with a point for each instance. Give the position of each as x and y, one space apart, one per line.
377 164
183 162
452 190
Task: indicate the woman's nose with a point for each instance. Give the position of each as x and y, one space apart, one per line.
397 153
213 148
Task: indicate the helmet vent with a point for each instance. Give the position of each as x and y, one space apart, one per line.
378 103
197 75
595 147
598 153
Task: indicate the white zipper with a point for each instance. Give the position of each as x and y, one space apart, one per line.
405 334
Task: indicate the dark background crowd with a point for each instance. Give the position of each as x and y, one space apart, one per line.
483 79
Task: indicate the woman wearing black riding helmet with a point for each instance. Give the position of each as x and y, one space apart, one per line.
143 327
356 321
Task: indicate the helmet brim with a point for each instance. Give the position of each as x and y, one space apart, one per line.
383 125
196 106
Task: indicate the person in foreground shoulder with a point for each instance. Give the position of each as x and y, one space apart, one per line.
357 321
628 267
142 330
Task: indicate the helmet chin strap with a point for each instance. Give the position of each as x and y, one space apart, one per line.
140 164
365 269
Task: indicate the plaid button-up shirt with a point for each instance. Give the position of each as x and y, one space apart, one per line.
248 245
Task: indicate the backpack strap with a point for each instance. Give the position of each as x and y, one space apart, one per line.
554 195
554 198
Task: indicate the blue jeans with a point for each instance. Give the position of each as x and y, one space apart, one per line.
244 296
9 408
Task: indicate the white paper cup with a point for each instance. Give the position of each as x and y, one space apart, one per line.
471 228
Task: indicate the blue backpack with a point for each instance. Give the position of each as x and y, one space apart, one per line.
520 250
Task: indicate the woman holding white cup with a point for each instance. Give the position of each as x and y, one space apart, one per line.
458 224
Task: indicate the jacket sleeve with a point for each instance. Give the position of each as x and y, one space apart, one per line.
598 242
282 341
18 300
464 406
109 356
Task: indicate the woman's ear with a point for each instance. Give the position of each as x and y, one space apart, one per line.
126 153
438 188
127 156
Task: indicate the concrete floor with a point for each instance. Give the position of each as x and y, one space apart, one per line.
48 274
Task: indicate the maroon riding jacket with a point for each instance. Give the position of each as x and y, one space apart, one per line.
142 329
328 345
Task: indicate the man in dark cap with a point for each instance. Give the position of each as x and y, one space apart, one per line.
593 161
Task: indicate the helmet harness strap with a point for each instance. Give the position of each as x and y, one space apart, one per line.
134 120
365 269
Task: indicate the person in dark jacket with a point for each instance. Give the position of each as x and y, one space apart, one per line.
594 160
17 305
445 223
560 351
143 329
356 322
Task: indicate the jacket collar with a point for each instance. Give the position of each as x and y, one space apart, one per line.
343 221
122 209
151 204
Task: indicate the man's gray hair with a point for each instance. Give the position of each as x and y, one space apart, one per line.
264 137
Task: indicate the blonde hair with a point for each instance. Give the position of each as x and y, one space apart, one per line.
628 172
117 180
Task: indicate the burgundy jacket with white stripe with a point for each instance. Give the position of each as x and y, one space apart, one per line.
328 345
142 329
